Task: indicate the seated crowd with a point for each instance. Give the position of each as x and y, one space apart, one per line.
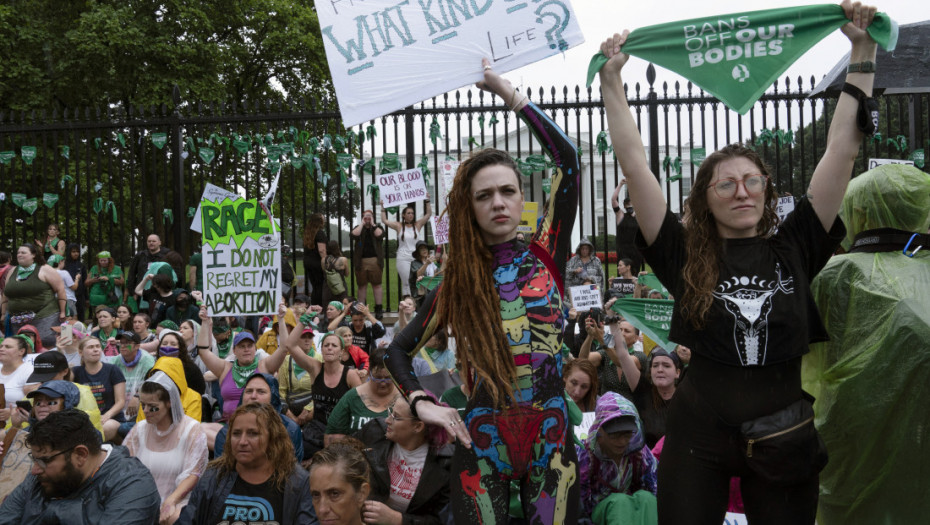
226 415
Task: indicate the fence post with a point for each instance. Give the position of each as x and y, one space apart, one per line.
177 168
653 103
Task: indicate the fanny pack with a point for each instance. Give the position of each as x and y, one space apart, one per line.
784 447
22 318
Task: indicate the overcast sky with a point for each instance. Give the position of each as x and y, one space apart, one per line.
602 18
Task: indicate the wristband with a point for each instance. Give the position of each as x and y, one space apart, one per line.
414 401
861 67
867 115
616 209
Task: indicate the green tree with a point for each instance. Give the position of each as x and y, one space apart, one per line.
73 53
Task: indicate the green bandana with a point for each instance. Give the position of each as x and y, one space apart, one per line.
737 57
51 244
54 260
653 317
23 273
223 348
241 374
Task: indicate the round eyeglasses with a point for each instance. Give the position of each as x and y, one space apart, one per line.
726 188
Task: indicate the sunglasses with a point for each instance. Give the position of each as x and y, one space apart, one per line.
147 407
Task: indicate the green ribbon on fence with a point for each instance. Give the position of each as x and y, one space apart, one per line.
899 143
344 160
327 141
191 146
242 145
297 163
371 131
98 142
877 137
374 190
602 145
339 143
206 154
168 216
191 211
698 155
314 145
112 208
121 138
66 179
392 209
366 165
65 151
389 163
273 166
6 157
30 205
324 179
18 198
287 148
316 165
28 153
473 142
669 163
274 152
434 130
49 199
99 205
547 185
917 156
350 138
424 168
159 140
481 122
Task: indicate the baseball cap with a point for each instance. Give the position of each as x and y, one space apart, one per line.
243 336
77 328
132 336
59 389
47 365
620 424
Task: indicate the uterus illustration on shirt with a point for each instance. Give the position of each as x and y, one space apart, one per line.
749 300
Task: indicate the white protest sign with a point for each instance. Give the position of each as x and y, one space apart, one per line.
447 169
733 518
585 297
241 258
388 54
440 229
402 187
581 429
212 193
784 207
874 163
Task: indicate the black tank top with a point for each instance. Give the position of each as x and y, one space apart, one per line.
325 398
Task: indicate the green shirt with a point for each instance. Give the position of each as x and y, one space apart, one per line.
350 414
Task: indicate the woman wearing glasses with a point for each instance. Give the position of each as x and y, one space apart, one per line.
743 302
410 468
169 442
367 401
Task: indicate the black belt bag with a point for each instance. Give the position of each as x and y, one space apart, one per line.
784 448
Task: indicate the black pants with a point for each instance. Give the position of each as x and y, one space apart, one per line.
702 453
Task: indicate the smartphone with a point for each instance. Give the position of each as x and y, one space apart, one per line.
25 405
67 335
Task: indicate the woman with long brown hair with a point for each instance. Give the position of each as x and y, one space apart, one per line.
256 473
315 239
408 233
502 300
581 383
744 304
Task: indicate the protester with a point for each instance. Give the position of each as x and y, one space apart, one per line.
75 266
124 318
58 263
336 268
34 294
492 279
408 232
332 380
353 356
363 403
52 244
595 349
584 266
172 344
68 339
168 442
263 388
340 482
53 366
75 479
140 264
107 383
14 372
104 281
745 365
366 328
410 464
256 473
619 469
134 365
418 266
581 383
435 356
368 259
296 382
627 227
314 239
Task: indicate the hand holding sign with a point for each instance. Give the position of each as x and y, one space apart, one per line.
494 83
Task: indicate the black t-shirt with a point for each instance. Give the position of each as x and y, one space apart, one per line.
368 242
252 504
367 337
626 238
101 384
627 287
763 311
653 410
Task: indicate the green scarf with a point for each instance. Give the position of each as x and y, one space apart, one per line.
737 57
223 348
241 374
51 244
23 273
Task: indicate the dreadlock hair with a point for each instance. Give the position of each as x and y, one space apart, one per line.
475 323
278 446
703 244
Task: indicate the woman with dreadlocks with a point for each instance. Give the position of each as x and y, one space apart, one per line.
502 301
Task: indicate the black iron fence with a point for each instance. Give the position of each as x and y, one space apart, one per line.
110 178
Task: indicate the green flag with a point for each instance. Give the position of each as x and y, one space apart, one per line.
49 199
653 317
737 57
30 205
18 199
650 281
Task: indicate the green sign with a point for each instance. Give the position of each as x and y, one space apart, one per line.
697 156
653 317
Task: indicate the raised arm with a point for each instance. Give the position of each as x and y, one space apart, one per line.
644 190
212 361
619 212
272 363
394 225
621 357
831 176
429 213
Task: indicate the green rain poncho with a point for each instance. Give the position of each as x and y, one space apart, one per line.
871 378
